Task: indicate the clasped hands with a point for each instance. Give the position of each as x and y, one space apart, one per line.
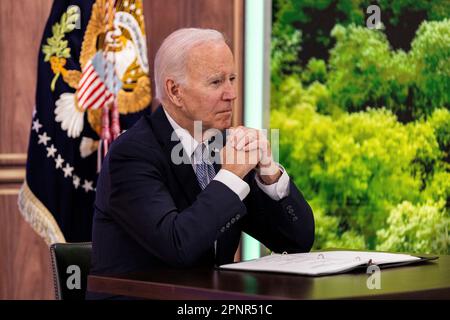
247 149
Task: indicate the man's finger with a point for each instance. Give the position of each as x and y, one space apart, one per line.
237 135
251 146
246 139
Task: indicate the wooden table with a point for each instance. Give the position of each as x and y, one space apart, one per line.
429 280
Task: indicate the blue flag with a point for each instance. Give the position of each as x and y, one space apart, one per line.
93 83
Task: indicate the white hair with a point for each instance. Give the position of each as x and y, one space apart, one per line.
171 58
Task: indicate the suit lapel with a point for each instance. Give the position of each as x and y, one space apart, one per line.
183 172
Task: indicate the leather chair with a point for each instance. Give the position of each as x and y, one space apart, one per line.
70 260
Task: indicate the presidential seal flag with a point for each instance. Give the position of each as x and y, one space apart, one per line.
93 83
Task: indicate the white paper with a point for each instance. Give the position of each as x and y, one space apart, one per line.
318 263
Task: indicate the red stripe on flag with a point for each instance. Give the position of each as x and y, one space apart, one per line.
100 89
100 101
88 83
86 74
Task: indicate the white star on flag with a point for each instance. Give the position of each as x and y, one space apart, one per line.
51 151
67 171
36 125
59 161
43 138
76 181
87 186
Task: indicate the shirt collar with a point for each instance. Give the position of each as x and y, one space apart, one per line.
188 142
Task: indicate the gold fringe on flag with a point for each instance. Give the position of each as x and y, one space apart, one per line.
38 216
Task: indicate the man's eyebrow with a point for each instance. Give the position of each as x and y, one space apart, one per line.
221 75
216 75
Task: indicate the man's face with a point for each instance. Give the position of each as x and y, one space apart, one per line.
210 91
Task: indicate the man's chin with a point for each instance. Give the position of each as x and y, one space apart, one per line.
223 123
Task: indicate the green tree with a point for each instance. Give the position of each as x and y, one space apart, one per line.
365 128
316 19
285 45
431 66
440 122
364 72
416 228
358 68
355 168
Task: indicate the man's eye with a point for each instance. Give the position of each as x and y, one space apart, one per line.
216 82
232 79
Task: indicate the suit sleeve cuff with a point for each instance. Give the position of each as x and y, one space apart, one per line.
232 181
278 190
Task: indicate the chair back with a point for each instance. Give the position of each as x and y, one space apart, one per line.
70 263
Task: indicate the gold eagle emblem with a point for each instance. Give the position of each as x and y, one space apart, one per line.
113 60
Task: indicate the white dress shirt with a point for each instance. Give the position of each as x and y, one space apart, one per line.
275 191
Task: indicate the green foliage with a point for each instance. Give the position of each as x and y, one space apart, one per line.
291 92
56 45
438 188
365 128
327 235
416 228
434 10
354 168
364 71
346 168
285 45
316 70
440 121
428 155
431 58
316 19
358 67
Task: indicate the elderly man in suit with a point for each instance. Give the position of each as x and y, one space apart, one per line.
162 203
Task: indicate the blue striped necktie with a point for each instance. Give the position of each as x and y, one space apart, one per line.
205 173
204 170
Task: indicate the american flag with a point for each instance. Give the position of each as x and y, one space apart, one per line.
92 91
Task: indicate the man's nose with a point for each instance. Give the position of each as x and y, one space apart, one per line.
229 92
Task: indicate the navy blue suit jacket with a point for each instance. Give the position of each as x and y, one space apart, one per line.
150 212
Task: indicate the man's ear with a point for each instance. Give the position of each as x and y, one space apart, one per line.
174 92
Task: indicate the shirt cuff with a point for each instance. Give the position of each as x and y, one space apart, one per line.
232 181
278 190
